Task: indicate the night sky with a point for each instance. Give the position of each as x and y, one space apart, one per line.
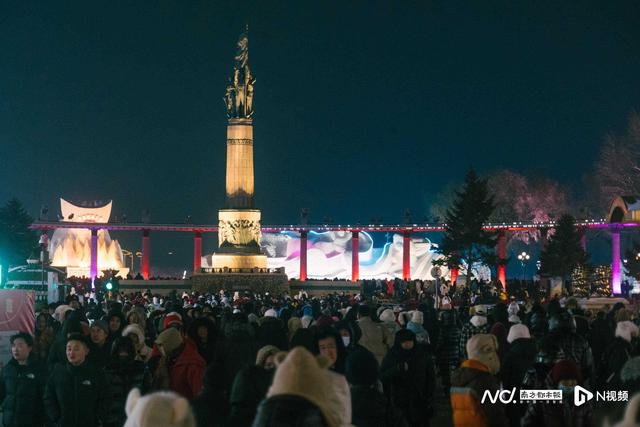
363 109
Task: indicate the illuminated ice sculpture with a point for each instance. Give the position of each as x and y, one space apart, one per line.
71 247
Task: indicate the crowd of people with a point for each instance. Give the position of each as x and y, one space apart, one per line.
338 360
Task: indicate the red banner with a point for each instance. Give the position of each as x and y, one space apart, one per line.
16 315
17 311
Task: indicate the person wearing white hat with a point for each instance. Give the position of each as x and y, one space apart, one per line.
477 325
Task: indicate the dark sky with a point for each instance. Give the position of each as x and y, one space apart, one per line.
362 108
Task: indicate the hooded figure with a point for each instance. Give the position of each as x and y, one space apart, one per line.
415 326
250 387
447 356
408 376
469 382
617 354
290 400
135 333
519 359
370 407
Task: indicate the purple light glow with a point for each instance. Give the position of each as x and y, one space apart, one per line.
616 275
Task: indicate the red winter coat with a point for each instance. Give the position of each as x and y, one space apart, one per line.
187 371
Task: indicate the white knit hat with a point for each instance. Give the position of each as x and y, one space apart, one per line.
626 330
161 409
387 316
518 331
271 313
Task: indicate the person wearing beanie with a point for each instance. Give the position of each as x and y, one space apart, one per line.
415 326
519 359
375 337
370 407
469 382
172 320
76 392
22 382
99 347
291 400
160 409
408 376
565 375
477 325
250 387
293 324
180 363
124 372
617 354
134 332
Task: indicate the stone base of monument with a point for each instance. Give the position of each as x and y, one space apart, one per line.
220 261
230 280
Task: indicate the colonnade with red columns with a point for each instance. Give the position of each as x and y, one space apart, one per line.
146 253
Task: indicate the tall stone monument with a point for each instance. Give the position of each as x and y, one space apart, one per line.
239 223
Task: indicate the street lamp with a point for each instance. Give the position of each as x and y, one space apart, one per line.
129 254
524 258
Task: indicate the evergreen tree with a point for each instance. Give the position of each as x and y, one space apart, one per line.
563 252
464 239
16 240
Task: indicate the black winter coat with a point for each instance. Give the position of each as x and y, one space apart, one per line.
75 396
121 378
249 388
519 359
370 408
409 381
21 391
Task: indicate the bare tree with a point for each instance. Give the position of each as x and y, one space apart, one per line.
618 167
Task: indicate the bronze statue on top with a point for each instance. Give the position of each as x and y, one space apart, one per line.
238 97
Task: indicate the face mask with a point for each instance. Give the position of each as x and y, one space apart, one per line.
566 390
346 341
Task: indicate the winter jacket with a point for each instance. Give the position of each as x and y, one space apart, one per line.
339 400
476 325
613 359
121 378
575 348
99 356
21 392
186 371
375 338
447 355
76 396
249 388
520 358
238 350
370 408
289 410
409 381
468 384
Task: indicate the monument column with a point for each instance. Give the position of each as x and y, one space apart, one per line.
146 253
197 252
406 256
303 255
355 256
93 269
239 223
